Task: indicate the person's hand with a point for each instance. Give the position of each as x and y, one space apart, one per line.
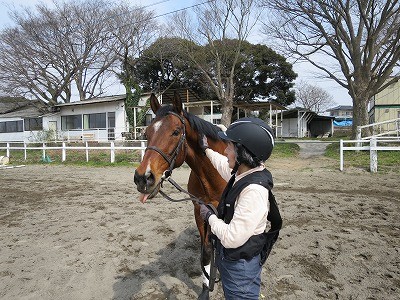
203 143
205 211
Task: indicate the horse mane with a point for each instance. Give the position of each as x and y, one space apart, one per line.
198 124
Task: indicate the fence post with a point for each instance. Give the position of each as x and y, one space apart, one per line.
63 152
112 152
24 151
8 149
373 155
341 156
87 151
44 152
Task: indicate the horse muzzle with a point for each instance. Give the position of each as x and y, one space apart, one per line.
146 185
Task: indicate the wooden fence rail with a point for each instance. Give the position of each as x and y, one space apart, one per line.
9 146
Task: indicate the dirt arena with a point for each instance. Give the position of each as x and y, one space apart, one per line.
80 233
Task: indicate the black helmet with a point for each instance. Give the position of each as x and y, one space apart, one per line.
253 134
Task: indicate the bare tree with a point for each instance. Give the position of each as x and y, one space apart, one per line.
313 97
75 47
361 38
216 22
133 29
31 64
131 38
88 44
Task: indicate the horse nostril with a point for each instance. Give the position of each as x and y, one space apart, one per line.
136 178
143 181
150 179
140 181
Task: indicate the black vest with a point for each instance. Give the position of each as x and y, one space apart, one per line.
257 244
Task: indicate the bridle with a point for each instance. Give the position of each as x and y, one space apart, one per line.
171 158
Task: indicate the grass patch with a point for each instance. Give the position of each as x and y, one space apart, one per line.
285 150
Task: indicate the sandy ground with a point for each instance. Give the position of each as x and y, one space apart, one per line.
80 233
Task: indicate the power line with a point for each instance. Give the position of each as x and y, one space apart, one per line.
154 4
181 9
160 15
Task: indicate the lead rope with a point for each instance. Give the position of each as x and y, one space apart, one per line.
212 277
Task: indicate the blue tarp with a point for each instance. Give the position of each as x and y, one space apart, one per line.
343 123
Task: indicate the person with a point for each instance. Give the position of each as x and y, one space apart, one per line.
240 221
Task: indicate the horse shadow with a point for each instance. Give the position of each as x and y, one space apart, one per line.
177 266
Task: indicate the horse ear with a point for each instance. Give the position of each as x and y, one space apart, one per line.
177 102
154 104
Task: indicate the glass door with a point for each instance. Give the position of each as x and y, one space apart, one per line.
111 125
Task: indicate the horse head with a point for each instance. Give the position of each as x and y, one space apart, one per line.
166 147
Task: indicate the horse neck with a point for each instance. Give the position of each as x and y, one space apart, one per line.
211 181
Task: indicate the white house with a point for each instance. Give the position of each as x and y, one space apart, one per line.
20 120
95 119
98 119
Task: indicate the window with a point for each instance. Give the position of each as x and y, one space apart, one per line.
216 110
11 126
31 124
92 121
71 122
149 118
111 119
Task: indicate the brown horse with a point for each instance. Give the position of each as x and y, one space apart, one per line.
173 138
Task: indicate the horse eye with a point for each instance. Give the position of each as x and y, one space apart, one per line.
176 132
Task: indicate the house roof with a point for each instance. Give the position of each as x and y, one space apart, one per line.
293 113
94 100
21 108
186 94
8 104
341 107
258 105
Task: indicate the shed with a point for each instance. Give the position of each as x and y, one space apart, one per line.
301 122
275 112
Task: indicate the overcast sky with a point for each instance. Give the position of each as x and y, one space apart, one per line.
305 72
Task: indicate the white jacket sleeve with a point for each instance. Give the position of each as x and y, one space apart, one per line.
220 163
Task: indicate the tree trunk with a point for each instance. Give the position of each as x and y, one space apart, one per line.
227 110
360 113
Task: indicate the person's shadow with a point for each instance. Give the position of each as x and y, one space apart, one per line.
180 259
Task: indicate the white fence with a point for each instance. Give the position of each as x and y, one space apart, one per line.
372 146
64 148
385 128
